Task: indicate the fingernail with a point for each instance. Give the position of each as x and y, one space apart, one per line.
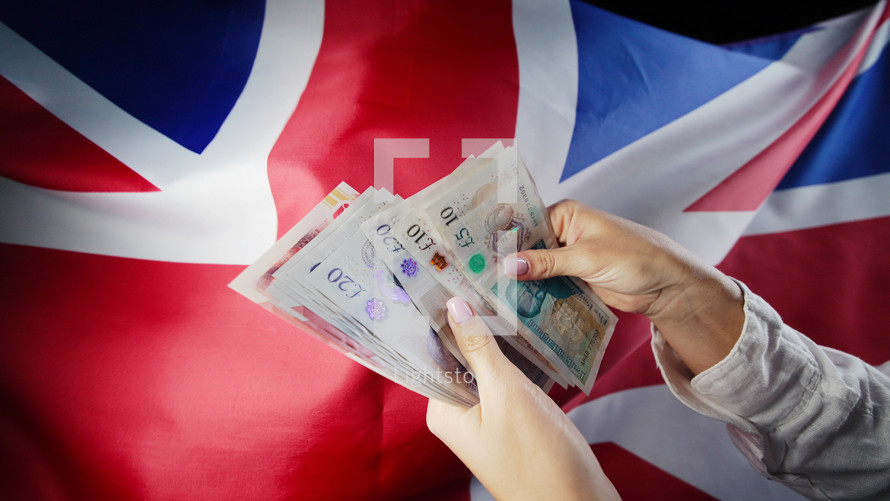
460 310
515 266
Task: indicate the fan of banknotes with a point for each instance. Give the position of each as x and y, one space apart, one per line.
370 274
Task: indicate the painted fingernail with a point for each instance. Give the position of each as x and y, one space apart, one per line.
515 266
460 310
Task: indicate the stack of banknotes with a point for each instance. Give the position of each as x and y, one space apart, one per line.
370 275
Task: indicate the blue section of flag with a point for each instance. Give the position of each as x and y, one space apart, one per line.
634 79
855 139
178 67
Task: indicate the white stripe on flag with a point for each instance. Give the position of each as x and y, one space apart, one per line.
656 178
823 204
548 86
878 44
215 207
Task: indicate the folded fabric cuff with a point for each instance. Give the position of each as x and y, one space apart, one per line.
706 393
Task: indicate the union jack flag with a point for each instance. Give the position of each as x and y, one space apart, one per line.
148 151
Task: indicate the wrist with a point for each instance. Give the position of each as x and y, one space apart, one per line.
701 318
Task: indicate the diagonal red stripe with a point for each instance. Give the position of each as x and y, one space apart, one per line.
747 188
38 149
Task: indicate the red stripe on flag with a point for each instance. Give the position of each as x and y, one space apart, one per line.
443 71
124 378
829 283
413 463
635 478
401 70
38 149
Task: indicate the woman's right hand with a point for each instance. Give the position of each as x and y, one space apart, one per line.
697 309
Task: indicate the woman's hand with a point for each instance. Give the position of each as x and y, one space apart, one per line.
516 441
697 309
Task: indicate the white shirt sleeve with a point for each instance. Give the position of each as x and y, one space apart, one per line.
813 418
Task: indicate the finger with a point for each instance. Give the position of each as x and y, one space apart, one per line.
573 260
571 220
561 215
475 341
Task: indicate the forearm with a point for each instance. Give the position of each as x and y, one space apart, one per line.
811 417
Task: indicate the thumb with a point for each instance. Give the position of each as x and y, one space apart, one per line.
475 341
546 263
